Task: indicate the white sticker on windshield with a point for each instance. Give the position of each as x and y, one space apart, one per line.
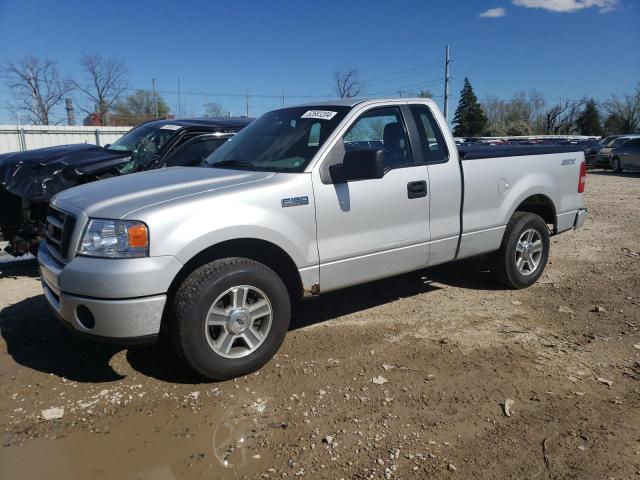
319 114
170 127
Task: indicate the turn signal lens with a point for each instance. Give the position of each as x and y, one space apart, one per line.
138 236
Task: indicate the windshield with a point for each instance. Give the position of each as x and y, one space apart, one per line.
618 142
609 142
280 141
144 143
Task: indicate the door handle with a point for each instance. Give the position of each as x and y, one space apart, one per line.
417 189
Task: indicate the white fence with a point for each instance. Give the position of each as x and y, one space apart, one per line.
18 138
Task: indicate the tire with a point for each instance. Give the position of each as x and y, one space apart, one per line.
616 166
520 241
233 294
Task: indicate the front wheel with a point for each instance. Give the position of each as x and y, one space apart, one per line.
524 251
616 166
231 316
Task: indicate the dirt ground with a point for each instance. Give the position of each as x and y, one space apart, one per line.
402 378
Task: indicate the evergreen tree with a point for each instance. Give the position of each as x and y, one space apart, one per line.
588 121
469 119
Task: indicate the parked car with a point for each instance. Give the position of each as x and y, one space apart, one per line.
603 158
29 179
626 156
590 147
303 201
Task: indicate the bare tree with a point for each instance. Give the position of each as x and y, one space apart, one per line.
214 109
104 84
623 114
347 84
36 86
561 118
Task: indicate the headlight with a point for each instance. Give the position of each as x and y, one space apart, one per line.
115 239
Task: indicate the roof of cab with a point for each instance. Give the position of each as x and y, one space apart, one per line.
215 122
352 102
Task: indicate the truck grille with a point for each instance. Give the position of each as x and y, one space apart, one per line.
58 232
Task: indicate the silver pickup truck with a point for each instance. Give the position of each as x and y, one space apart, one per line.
303 201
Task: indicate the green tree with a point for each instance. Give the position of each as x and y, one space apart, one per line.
425 94
588 121
518 128
469 119
139 107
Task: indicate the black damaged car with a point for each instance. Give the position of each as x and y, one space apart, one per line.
28 180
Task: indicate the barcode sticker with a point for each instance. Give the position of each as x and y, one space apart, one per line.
319 114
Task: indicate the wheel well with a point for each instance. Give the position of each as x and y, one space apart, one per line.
261 251
540 205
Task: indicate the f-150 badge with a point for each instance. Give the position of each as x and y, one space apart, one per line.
295 201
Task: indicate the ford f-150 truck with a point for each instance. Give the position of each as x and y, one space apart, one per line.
305 200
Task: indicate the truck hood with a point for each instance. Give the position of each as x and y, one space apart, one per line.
40 174
119 197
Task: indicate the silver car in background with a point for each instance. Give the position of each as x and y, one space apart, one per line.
603 158
627 156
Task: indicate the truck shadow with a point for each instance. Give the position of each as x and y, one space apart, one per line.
35 339
19 268
468 274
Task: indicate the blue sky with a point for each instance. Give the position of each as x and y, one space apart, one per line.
563 48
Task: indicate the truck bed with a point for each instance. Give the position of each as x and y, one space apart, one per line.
497 179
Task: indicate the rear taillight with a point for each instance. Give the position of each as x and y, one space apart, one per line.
582 181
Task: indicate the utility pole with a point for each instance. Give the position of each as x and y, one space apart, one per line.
155 101
179 100
283 99
246 98
446 82
400 93
71 116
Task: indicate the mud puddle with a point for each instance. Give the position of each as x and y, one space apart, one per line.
213 442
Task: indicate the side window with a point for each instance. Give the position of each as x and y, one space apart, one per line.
634 144
381 128
194 152
433 144
314 135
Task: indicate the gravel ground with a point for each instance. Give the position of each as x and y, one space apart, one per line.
410 377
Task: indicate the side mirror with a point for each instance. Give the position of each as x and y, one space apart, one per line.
106 145
358 165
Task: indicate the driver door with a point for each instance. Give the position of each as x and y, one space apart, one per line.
375 228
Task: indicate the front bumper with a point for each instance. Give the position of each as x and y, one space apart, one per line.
123 320
602 161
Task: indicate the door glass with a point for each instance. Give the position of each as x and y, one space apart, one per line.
378 129
192 154
434 146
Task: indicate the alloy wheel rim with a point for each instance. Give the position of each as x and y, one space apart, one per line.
529 251
238 321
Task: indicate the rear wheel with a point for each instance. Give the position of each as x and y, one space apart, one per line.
231 316
524 251
616 166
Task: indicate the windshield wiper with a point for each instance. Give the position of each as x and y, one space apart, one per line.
241 164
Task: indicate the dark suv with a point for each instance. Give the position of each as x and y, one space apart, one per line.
28 180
